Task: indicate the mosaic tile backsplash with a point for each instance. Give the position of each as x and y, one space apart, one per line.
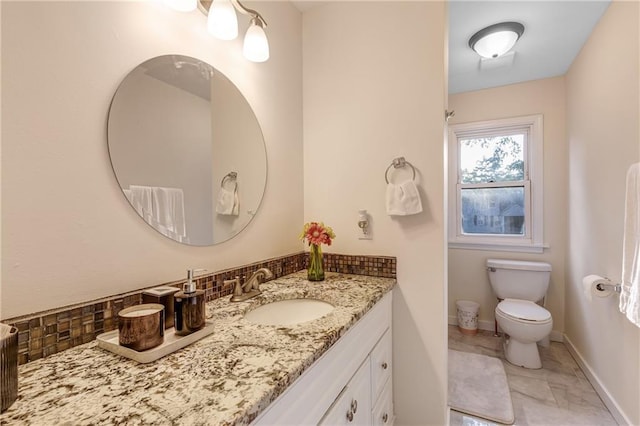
46 333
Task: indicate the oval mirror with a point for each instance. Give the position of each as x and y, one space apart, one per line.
187 150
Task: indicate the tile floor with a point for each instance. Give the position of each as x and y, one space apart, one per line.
558 394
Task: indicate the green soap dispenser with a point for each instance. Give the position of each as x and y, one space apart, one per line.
189 307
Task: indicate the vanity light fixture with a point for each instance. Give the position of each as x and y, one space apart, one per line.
496 40
256 45
222 23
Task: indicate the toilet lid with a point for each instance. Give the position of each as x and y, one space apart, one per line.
524 309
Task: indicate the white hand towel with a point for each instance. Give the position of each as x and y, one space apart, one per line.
127 193
164 230
236 203
162 208
403 199
227 202
168 210
630 296
142 201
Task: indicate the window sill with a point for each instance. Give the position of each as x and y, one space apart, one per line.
520 248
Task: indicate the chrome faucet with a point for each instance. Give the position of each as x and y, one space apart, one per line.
251 287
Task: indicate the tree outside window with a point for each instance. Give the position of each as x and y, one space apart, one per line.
493 210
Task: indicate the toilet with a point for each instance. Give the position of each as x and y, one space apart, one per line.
519 285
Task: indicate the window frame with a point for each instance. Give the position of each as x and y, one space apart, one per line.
532 239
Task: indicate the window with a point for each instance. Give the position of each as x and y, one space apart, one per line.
495 184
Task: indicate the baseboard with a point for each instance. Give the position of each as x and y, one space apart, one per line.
601 390
555 336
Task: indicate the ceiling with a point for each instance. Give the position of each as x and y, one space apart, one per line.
555 31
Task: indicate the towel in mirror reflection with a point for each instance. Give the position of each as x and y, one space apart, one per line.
162 208
227 202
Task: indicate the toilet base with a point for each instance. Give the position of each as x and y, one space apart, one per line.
522 354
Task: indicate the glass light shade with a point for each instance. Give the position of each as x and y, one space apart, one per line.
182 5
496 44
256 45
222 22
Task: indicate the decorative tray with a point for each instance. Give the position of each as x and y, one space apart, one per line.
172 342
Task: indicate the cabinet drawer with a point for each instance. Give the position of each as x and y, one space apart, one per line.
353 405
381 364
383 410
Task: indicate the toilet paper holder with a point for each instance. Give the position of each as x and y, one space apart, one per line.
609 286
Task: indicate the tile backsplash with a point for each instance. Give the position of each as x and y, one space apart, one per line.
45 333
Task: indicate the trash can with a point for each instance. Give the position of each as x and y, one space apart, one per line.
467 316
8 366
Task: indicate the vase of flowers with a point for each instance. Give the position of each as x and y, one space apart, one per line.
316 234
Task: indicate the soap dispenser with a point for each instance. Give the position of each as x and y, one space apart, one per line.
189 307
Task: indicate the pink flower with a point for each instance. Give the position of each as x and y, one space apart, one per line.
317 233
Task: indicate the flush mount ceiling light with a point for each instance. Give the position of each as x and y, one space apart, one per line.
222 23
496 40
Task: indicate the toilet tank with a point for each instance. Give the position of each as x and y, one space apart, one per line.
519 279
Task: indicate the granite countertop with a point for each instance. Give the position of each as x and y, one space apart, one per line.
226 378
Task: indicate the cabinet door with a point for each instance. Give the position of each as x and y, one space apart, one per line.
381 364
383 410
353 405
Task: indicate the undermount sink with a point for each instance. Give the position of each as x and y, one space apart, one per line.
289 312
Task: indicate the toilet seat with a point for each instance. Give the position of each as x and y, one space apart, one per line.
523 311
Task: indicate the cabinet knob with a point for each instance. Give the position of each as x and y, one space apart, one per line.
385 417
354 406
350 415
384 365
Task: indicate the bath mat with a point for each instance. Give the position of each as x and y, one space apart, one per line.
478 386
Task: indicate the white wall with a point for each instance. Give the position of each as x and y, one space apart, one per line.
604 140
374 90
468 279
68 233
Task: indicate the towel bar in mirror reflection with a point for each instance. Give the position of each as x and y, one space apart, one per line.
177 126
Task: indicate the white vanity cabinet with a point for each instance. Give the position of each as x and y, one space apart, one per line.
350 384
370 385
353 405
381 383
382 414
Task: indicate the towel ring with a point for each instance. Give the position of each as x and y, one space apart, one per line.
231 176
398 163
